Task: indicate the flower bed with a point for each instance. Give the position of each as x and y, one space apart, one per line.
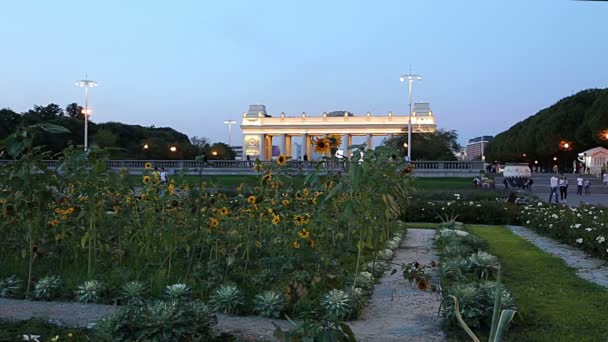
585 227
271 249
468 211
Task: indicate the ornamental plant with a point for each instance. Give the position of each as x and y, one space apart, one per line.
133 293
10 286
227 299
89 292
48 288
269 304
337 304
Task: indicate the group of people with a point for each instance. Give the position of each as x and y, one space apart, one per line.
160 176
561 184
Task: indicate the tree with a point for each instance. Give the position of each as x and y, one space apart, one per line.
74 111
439 145
46 113
221 151
200 144
104 137
9 120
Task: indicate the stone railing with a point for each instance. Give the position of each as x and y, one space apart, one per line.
422 168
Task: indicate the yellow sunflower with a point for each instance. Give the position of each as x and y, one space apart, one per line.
251 199
224 211
296 244
299 196
304 234
312 243
53 223
322 145
285 203
213 222
148 166
276 219
282 160
299 220
147 179
329 185
306 192
335 140
267 177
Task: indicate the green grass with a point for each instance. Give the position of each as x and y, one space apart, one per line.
443 183
422 225
554 303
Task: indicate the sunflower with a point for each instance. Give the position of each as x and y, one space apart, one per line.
171 188
276 219
69 210
267 177
296 244
213 222
299 220
322 145
282 160
258 166
423 284
224 211
304 234
147 179
299 196
329 184
251 199
306 192
311 243
54 223
335 140
148 166
285 203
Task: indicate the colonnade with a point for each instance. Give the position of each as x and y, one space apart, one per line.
286 141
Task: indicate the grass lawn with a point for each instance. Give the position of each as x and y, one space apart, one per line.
444 183
422 225
554 303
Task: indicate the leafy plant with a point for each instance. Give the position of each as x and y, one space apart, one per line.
48 287
500 317
133 293
158 321
337 304
9 287
89 292
227 299
269 304
177 292
483 264
315 330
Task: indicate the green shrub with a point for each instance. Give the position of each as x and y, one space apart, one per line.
133 293
9 287
48 288
227 299
178 292
269 304
158 321
89 292
337 304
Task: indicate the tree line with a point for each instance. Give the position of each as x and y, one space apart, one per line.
573 125
123 141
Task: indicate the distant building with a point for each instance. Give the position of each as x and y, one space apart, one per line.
238 152
476 147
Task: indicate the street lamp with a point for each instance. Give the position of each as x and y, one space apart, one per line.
173 148
146 146
230 123
86 84
410 80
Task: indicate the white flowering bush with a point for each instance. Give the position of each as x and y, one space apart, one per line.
585 227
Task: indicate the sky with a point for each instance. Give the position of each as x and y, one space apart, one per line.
191 65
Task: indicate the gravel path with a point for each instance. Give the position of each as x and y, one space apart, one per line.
587 267
396 311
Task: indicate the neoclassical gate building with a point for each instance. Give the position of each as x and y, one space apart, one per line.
260 129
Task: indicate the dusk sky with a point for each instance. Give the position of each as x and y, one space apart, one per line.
191 65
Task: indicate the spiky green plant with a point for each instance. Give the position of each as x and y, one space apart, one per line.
133 293
483 264
177 292
9 287
501 318
365 280
227 299
48 287
89 292
269 304
337 304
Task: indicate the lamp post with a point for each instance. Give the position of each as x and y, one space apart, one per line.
86 84
230 123
410 80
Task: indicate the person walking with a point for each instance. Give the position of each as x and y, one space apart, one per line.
164 177
553 183
587 186
579 184
605 179
563 189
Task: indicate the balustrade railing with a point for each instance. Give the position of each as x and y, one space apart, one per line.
244 164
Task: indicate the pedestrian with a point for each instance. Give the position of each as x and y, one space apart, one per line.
305 157
579 184
528 184
605 179
555 169
563 189
553 183
248 158
506 184
164 177
587 186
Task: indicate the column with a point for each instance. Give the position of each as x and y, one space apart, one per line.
349 143
268 147
262 155
284 144
344 145
370 142
305 144
288 145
